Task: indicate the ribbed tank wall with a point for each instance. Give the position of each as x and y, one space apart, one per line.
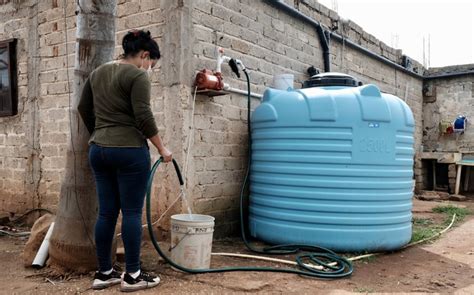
332 166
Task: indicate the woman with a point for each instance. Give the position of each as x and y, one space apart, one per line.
115 107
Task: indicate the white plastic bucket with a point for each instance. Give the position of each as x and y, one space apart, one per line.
191 240
283 81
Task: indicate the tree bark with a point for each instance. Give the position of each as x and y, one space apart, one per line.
72 246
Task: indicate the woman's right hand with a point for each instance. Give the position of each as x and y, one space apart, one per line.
166 154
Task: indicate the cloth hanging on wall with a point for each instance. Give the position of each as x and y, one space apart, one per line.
459 125
445 127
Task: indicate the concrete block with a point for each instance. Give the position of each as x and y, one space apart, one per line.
128 8
452 167
212 191
214 164
233 163
202 149
240 46
202 206
457 198
146 5
205 177
222 150
218 123
202 122
433 195
232 113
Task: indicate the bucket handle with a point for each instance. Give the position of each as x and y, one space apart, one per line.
180 240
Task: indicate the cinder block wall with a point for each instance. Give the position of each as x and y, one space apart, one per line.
269 42
33 143
447 98
17 139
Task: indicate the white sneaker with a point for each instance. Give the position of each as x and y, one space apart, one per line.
102 281
143 281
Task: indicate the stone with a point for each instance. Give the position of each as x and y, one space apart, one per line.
432 195
457 198
438 283
443 195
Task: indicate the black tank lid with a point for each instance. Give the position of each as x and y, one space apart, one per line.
331 79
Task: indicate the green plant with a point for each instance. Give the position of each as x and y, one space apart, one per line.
422 221
424 227
450 210
420 233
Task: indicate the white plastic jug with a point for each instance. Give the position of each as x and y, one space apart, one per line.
283 81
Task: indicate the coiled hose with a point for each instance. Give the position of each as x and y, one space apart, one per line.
333 265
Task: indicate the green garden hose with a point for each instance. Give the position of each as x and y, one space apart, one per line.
334 266
323 257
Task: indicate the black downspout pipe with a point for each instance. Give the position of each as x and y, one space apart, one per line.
324 39
325 46
326 52
325 36
322 34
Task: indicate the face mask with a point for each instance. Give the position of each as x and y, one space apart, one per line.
149 70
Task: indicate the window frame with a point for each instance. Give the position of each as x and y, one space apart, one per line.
12 96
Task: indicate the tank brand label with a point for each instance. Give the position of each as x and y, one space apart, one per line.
373 145
374 125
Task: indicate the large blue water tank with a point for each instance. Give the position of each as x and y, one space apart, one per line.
332 166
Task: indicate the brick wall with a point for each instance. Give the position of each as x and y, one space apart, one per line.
447 98
269 42
33 144
15 143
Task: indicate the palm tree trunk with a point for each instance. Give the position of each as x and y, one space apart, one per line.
72 243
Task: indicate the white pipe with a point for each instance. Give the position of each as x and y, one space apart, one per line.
333 263
220 59
318 267
239 91
42 254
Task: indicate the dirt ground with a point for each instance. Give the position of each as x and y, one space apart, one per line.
445 266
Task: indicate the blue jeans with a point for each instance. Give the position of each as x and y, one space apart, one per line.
121 175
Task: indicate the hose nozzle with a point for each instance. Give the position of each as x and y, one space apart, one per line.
234 67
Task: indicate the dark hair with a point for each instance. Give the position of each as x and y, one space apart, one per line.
137 40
